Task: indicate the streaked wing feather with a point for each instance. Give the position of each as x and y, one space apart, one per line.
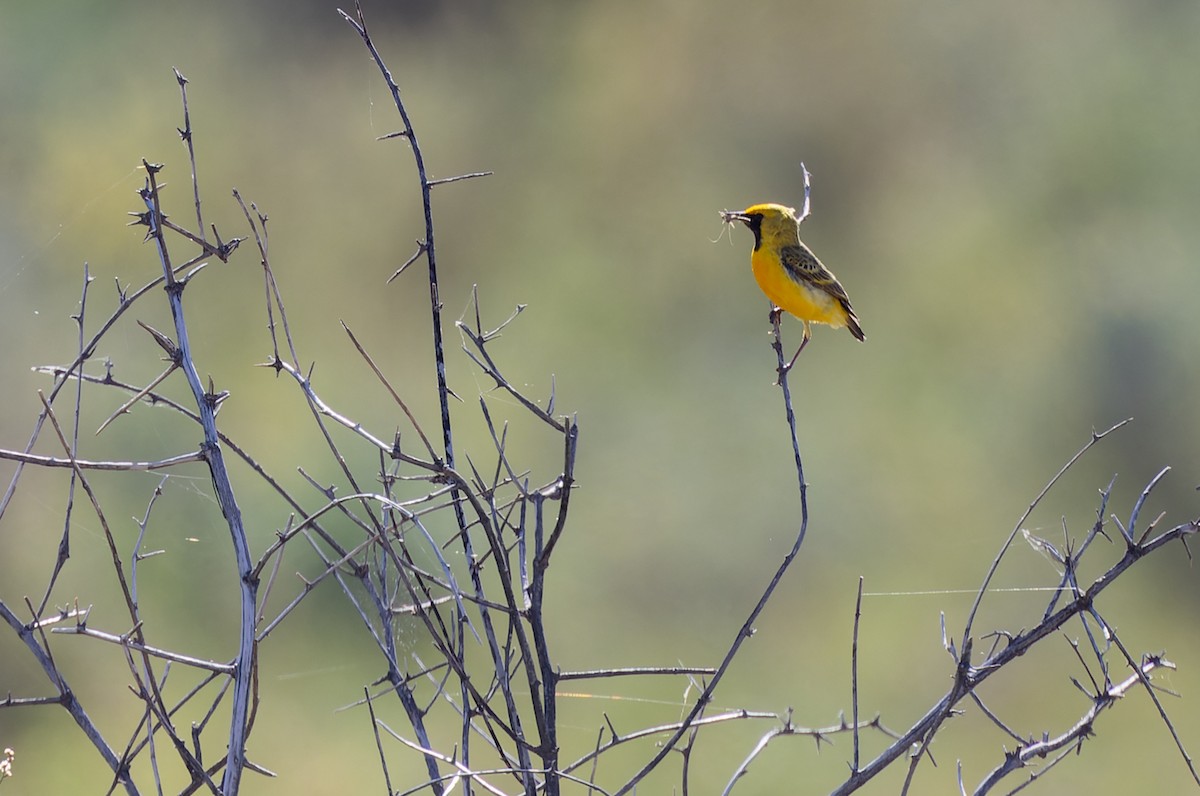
804 267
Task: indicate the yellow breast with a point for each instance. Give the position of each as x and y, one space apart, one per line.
806 303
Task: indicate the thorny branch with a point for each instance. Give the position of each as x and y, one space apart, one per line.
456 551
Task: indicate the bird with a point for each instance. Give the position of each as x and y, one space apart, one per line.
790 274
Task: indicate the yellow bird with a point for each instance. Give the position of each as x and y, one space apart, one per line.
790 274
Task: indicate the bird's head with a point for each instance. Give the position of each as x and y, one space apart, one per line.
772 218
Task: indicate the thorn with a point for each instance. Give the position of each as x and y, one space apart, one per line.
164 342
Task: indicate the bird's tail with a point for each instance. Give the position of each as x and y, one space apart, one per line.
854 326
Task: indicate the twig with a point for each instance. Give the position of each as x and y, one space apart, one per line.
166 655
469 176
987 580
631 671
1137 507
387 778
84 464
968 677
185 134
1073 737
223 489
68 699
747 628
804 210
818 734
395 396
854 672
619 739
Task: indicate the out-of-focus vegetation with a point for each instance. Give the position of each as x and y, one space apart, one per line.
1009 192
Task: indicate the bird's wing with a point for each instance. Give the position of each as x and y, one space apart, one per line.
804 267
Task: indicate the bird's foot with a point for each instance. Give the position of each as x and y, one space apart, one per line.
784 369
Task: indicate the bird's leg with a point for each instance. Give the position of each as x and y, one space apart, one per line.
803 342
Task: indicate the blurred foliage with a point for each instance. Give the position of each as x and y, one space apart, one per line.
1007 190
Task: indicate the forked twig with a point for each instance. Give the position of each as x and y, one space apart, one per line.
747 627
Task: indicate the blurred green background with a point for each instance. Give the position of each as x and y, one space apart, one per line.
1009 192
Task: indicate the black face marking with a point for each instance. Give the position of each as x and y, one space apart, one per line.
754 222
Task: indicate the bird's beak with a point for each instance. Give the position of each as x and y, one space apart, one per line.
729 216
